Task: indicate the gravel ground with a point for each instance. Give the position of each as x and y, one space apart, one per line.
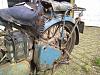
83 55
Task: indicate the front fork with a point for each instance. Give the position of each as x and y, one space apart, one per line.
62 34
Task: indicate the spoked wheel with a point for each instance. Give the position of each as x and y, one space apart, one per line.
60 36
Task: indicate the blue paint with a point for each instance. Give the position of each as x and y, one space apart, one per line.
69 18
51 22
56 20
49 55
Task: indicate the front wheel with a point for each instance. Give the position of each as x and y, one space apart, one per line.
58 35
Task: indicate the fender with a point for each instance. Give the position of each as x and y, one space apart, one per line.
59 19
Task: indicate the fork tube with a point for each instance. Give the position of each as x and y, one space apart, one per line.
61 36
70 35
76 22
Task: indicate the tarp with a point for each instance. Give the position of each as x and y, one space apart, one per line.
3 4
92 14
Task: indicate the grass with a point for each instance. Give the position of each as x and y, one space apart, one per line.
97 62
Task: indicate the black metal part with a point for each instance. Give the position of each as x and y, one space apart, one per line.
81 26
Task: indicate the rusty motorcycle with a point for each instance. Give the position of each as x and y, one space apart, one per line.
27 49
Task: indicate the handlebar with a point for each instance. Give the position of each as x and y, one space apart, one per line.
78 9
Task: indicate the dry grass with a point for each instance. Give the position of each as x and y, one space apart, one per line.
84 55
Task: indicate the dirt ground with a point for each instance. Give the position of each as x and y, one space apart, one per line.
84 55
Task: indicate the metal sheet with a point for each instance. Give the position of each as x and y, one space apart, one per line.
56 20
48 55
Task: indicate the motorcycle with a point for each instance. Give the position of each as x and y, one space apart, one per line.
44 40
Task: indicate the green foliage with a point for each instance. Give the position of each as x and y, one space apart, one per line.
97 62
